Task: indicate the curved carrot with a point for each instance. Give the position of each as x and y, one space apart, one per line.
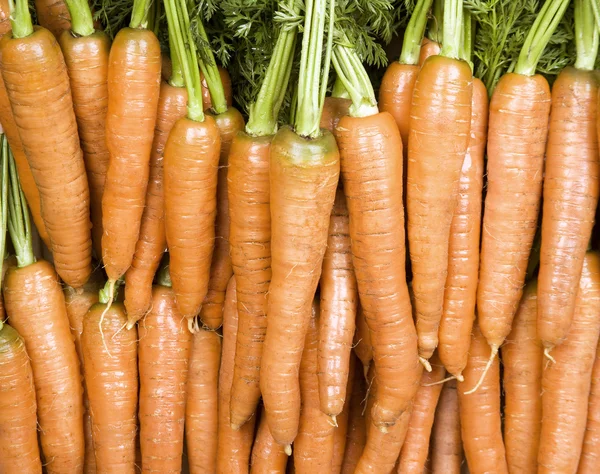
18 423
566 382
152 239
53 15
233 446
268 457
163 353
313 447
43 111
590 452
522 384
229 124
446 444
460 292
339 304
201 419
334 108
363 347
357 427
86 58
480 421
571 190
340 433
111 375
371 154
415 449
133 90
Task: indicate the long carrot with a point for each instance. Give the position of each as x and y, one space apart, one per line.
111 378
371 155
357 427
446 444
38 87
480 422
522 384
340 434
53 15
250 224
304 173
35 305
590 451
267 455
152 239
566 382
233 446
517 131
201 418
413 455
571 186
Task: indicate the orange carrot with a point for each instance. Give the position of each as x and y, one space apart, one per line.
334 108
446 446
5 26
227 90
357 427
428 48
341 430
590 453
362 341
53 15
267 455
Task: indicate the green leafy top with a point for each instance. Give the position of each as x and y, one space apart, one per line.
586 35
20 18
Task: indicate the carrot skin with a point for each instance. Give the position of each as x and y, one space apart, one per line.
590 452
268 457
5 25
566 383
442 95
571 189
86 58
339 304
446 447
517 131
340 433
201 418
522 358
363 347
229 124
233 446
38 87
35 305
357 427
460 292
53 15
18 422
152 240
304 175
133 65
428 48
225 80
371 154
111 377
480 422
334 108
190 178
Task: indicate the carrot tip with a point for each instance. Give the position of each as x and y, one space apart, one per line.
130 324
425 363
193 326
333 421
460 378
494 352
235 426
548 356
288 449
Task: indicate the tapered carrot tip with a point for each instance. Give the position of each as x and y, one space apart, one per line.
130 324
366 369
460 378
494 352
333 421
288 449
193 326
425 364
547 354
235 427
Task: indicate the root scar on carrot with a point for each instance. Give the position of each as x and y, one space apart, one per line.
548 356
425 363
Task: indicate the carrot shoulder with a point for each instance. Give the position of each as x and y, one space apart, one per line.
53 15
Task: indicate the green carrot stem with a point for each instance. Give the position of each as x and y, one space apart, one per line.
209 68
139 15
466 47
596 10
82 23
176 79
586 35
339 90
3 202
20 18
538 37
413 36
435 27
452 32
110 287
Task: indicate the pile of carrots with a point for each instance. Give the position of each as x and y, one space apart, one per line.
393 279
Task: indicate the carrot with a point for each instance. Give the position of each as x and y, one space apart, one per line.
571 187
201 417
4 17
566 382
415 449
18 423
152 239
133 90
313 447
339 303
428 48
335 107
371 155
590 452
233 446
111 374
250 226
267 455
38 88
357 427
517 131
340 434
35 305
304 174
480 422
164 348
446 445
227 90
53 15
522 384
362 341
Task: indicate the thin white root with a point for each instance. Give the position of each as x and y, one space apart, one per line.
193 326
425 363
288 449
493 354
460 378
333 421
440 381
111 296
548 356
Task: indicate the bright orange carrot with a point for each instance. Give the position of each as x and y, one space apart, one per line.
268 457
446 445
428 48
590 452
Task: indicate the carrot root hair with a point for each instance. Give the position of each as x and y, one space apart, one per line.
447 379
547 354
333 421
425 363
109 302
494 352
288 449
193 325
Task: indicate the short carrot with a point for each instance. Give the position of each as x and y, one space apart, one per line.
53 15
357 427
446 444
590 452
267 455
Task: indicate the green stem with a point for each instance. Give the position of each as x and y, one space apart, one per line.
82 23
539 35
104 296
139 15
466 46
339 90
452 33
586 35
413 36
19 226
20 18
3 202
176 79
176 12
262 120
209 68
435 27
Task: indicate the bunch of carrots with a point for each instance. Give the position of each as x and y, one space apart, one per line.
326 279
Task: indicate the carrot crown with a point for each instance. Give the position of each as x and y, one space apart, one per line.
20 18
339 90
3 202
413 35
452 32
82 23
139 14
586 35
